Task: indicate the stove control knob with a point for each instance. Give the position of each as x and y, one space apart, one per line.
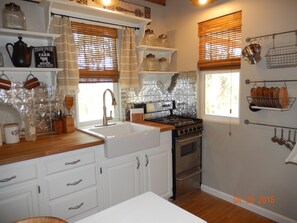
186 130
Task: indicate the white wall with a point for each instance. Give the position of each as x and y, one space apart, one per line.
246 163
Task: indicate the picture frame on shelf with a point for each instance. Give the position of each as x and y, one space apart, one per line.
45 57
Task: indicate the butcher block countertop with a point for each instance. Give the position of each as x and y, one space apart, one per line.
46 145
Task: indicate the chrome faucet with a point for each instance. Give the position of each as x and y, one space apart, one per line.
106 118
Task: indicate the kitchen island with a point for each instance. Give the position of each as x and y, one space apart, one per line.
145 208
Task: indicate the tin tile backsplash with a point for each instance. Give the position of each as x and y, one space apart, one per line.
44 101
183 90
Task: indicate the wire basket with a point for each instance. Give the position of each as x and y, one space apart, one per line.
280 57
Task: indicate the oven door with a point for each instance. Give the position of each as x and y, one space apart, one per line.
187 152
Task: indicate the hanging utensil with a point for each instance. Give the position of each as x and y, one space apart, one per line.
289 143
274 138
281 141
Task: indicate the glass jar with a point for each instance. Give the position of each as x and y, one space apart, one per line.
13 17
163 64
150 63
30 129
149 38
163 40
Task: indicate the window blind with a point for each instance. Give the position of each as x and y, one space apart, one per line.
220 42
96 52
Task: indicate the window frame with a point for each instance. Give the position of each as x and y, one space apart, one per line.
217 118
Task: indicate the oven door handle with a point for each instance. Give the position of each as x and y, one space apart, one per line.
188 175
187 139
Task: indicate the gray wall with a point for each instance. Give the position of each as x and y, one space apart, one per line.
246 163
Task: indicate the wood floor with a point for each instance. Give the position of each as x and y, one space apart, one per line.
216 210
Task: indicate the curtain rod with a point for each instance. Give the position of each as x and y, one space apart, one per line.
91 20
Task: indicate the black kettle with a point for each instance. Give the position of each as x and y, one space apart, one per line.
21 54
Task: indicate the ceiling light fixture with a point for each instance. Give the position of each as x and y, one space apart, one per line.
108 2
202 2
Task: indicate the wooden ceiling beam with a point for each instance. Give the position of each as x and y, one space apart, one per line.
160 2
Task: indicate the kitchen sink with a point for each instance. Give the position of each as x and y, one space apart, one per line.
125 137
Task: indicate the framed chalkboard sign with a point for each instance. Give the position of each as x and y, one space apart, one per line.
45 57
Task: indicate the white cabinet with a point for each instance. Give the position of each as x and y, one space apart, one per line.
130 175
19 197
121 179
71 185
158 172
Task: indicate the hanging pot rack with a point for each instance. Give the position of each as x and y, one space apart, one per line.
248 81
273 126
249 39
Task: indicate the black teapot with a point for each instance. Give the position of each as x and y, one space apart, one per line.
21 54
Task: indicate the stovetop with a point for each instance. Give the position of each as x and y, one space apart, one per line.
177 121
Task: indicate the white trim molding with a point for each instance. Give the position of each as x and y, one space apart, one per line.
251 207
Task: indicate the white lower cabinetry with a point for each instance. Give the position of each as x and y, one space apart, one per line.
70 185
18 191
127 176
73 185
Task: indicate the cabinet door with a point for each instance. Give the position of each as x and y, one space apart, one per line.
18 202
158 172
121 179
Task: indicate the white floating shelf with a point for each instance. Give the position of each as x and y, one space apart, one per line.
29 69
30 34
156 48
91 12
158 72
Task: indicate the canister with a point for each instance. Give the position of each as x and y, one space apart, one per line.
11 133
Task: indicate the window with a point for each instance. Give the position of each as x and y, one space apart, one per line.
96 52
90 97
221 95
98 70
219 61
220 42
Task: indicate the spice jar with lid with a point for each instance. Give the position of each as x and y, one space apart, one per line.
163 64
13 17
150 63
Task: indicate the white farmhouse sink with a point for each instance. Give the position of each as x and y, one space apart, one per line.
126 137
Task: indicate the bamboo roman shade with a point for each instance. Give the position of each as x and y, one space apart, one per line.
96 52
220 42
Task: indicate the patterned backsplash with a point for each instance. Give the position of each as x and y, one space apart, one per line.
46 102
183 90
43 100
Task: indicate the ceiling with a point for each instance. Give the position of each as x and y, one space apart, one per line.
160 2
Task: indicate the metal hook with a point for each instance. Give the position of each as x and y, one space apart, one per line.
264 83
285 83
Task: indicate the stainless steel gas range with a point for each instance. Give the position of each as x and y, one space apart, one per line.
187 145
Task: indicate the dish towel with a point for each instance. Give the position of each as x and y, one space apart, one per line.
292 158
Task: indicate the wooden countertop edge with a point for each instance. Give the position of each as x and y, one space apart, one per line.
47 145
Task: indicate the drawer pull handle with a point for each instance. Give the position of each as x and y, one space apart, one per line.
138 162
74 183
147 160
72 163
76 207
7 179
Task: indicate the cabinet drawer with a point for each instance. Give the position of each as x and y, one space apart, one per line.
68 161
11 174
70 181
75 204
